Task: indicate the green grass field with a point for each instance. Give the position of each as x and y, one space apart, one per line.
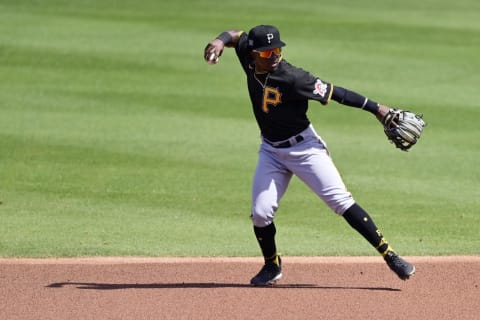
117 139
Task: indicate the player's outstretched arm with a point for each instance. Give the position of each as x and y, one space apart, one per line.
214 48
353 99
403 128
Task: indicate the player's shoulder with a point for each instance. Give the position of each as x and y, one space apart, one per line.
290 72
242 51
242 43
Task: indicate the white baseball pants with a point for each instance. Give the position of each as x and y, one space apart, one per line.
310 161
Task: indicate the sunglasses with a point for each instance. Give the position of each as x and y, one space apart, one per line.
268 53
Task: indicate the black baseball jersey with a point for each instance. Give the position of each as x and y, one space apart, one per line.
280 98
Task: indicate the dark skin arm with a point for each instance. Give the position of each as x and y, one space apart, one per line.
216 46
382 112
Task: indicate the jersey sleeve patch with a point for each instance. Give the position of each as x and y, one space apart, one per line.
320 88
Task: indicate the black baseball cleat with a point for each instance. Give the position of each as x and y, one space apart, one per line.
402 268
268 275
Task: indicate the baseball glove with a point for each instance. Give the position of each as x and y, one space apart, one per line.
403 128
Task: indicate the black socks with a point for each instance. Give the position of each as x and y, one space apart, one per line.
359 219
266 240
356 217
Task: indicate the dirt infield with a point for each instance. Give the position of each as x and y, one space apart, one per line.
217 288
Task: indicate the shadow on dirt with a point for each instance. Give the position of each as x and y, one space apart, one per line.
202 285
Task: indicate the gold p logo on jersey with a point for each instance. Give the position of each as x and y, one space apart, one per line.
271 96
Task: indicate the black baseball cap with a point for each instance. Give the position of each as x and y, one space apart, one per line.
264 37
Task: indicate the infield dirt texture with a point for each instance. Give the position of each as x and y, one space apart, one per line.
217 288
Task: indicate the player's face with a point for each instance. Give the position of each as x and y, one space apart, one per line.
267 61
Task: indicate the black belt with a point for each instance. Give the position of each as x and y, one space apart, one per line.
284 144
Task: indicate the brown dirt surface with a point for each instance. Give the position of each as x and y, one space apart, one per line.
217 288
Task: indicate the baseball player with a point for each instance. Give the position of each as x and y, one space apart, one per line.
279 93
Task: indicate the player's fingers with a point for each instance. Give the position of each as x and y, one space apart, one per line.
207 51
212 58
210 54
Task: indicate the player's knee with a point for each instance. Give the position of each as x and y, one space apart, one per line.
261 221
341 204
262 216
